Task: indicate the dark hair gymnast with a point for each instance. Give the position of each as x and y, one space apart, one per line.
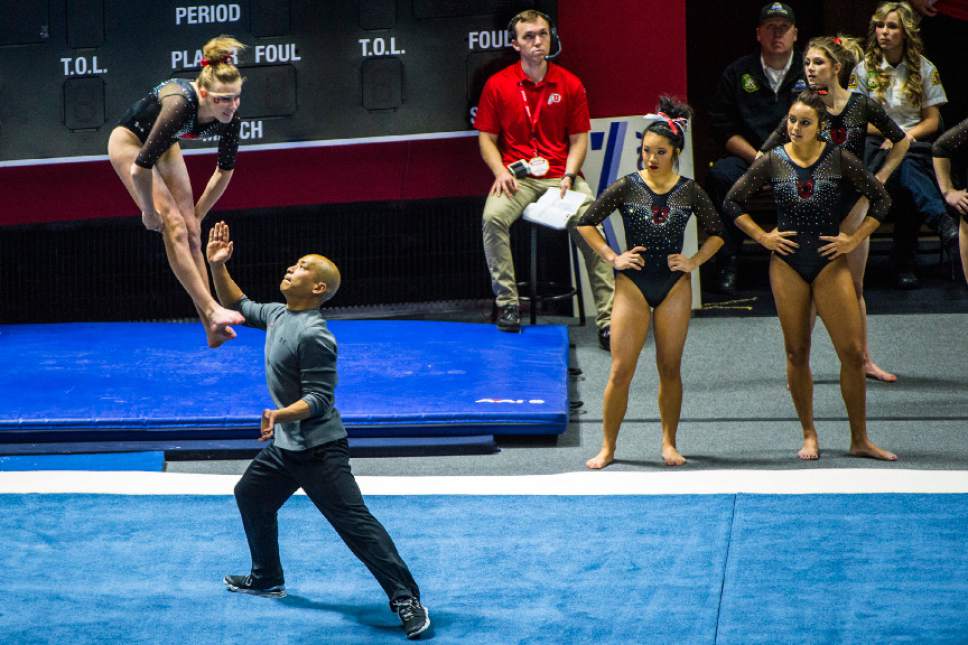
812 99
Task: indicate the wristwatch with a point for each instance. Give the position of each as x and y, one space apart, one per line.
571 176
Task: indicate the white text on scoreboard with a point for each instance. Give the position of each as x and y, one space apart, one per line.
207 14
81 66
379 47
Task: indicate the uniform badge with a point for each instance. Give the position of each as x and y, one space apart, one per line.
554 97
935 78
800 85
749 85
852 83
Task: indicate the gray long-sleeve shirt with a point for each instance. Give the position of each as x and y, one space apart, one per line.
300 358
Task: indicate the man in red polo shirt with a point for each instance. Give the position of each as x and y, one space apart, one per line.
533 116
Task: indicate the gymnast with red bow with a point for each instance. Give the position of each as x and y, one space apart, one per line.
651 277
808 268
144 152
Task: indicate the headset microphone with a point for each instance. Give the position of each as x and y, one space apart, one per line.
556 39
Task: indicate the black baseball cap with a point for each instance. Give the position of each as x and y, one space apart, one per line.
776 10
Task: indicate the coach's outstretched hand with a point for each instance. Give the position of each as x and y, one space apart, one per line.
219 250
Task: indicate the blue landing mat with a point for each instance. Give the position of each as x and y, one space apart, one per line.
149 461
247 448
642 569
396 378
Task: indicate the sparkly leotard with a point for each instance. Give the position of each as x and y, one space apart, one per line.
170 112
807 199
849 128
953 143
849 131
657 222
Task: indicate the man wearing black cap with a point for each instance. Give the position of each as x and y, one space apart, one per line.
754 94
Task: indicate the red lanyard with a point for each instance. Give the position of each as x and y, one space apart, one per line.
532 119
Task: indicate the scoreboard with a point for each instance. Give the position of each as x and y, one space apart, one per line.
315 70
344 100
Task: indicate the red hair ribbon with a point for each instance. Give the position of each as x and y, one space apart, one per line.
206 62
672 124
838 40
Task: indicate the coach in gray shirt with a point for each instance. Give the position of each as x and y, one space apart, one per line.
308 447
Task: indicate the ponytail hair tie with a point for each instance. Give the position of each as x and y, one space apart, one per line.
838 40
226 60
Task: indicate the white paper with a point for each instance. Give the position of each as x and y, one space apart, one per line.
553 211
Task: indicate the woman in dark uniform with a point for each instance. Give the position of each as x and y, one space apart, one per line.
145 153
808 268
826 61
652 277
953 143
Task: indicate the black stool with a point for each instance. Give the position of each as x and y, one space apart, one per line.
539 292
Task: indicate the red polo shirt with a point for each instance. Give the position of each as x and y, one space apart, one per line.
558 104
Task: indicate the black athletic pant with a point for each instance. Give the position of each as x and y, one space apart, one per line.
324 473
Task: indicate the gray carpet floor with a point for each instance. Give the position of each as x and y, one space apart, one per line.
736 411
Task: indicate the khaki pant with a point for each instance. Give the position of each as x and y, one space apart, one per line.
502 211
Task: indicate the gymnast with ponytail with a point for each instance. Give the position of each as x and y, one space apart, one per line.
827 64
652 276
145 153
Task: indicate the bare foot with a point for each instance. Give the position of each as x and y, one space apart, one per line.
602 459
873 371
868 449
810 450
152 223
217 329
671 456
219 317
216 336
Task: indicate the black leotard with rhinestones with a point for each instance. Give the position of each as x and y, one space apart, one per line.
170 112
807 199
953 144
657 222
849 128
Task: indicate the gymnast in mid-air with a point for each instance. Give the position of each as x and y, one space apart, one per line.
144 151
652 276
808 267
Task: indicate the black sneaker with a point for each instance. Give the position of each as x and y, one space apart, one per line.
243 584
413 616
509 318
605 338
